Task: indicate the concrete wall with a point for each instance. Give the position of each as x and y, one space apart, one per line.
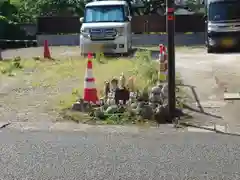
137 39
58 40
180 39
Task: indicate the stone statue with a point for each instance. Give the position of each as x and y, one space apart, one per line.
114 84
111 88
156 94
122 81
130 84
106 89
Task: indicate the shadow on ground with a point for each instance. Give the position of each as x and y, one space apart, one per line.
198 113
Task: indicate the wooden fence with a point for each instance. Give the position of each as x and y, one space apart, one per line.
140 24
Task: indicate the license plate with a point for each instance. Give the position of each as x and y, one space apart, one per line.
103 46
109 46
227 42
97 46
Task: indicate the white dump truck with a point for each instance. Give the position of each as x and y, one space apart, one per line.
222 24
106 28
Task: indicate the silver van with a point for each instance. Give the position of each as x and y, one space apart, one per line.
106 28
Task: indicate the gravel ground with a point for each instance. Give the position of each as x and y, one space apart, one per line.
212 74
20 101
209 73
118 156
56 51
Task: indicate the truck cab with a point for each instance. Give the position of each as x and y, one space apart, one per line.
106 28
222 24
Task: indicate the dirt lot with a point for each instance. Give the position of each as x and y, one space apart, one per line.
210 73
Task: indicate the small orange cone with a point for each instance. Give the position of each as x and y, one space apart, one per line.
46 52
90 91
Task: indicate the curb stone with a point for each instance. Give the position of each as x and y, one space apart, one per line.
214 128
73 127
67 126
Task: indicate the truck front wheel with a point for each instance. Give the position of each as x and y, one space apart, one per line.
211 49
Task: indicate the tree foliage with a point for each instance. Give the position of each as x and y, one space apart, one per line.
8 10
151 7
29 10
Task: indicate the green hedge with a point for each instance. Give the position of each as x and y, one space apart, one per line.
11 30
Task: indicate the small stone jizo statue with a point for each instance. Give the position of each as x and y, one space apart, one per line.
122 81
106 89
130 84
114 84
155 94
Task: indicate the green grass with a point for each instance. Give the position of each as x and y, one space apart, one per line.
101 72
50 73
142 68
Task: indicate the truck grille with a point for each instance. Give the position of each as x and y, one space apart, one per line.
103 34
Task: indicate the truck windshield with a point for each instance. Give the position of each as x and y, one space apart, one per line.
224 10
113 13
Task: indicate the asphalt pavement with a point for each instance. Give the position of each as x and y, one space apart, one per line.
113 156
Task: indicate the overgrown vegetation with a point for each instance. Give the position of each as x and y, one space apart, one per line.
10 67
107 68
145 72
57 74
61 80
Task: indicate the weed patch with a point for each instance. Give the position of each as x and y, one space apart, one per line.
54 85
141 67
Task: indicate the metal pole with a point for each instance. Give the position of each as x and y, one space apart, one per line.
170 20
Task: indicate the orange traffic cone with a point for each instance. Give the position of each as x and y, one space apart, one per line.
90 91
46 52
